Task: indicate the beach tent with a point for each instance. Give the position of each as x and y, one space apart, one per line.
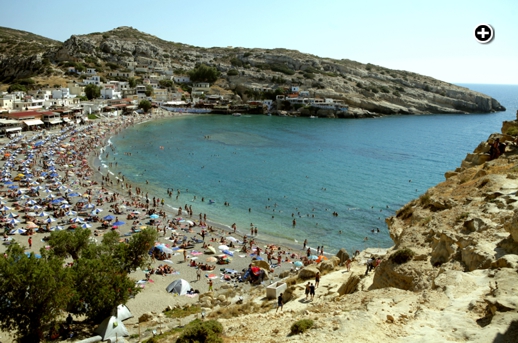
122 312
111 327
163 248
179 287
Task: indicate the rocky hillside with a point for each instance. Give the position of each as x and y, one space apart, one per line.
451 276
24 54
367 89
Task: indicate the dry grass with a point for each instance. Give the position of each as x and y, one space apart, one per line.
241 310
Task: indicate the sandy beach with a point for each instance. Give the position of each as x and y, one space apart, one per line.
72 153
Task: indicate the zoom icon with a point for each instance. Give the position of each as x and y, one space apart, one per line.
484 33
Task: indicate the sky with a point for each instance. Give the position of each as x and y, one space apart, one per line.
433 38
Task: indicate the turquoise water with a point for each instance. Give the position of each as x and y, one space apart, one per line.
269 168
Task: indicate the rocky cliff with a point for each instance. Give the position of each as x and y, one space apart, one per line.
368 89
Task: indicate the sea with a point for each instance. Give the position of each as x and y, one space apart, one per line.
330 181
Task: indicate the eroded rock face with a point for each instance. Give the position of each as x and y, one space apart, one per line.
512 226
349 286
443 249
410 276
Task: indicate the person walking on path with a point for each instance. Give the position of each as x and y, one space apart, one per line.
280 303
30 242
312 291
307 290
317 279
198 274
185 256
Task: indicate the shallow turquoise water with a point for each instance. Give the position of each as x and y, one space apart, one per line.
279 166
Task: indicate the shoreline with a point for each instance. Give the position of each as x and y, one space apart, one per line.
291 244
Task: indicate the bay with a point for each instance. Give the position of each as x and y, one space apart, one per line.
275 169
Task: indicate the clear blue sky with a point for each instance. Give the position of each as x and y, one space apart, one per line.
433 38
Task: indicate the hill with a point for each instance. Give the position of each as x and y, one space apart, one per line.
368 89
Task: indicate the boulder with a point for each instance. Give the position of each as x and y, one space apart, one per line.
349 286
477 257
342 255
326 266
475 224
443 248
506 261
261 264
335 260
308 272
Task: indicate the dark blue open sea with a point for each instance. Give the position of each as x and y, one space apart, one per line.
279 167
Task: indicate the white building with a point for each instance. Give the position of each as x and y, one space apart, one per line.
109 92
181 79
62 93
91 71
95 80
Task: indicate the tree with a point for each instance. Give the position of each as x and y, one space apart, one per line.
92 91
145 105
165 83
149 90
204 73
132 82
83 98
16 88
65 243
34 292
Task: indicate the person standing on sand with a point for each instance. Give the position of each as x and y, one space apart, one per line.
280 303
184 255
305 243
317 279
307 290
30 242
198 274
210 285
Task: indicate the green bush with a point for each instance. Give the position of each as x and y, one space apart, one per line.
402 256
202 331
232 72
282 68
301 326
384 89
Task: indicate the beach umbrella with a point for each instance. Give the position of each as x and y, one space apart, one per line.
321 258
57 228
233 239
31 202
49 220
89 206
153 216
77 220
13 187
313 257
42 214
223 247
210 250
298 264
109 217
163 248
31 225
36 207
47 190
73 194
12 215
118 223
71 213
64 206
17 231
5 208
86 226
